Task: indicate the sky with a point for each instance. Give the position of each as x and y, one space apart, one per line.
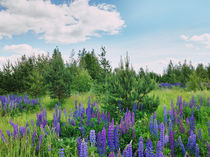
151 32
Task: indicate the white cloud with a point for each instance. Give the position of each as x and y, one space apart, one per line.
184 37
189 45
203 39
24 49
19 50
64 23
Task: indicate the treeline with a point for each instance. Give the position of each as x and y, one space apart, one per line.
38 75
122 86
194 78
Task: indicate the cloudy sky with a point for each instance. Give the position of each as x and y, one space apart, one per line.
152 32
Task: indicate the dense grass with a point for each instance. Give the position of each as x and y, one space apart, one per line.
48 103
165 95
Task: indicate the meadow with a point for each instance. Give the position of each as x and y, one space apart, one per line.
83 129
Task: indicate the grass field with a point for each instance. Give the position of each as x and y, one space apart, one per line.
165 95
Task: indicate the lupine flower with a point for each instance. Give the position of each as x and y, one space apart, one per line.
59 117
8 133
208 124
58 129
171 141
165 115
158 149
182 145
99 144
78 145
208 148
149 148
2 136
83 149
116 140
181 126
111 154
141 147
92 137
162 135
151 125
22 131
156 128
33 137
166 139
196 150
111 138
82 130
103 141
129 150
61 152
39 143
192 123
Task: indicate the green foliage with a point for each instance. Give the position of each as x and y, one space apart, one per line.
89 61
82 81
126 86
58 78
195 82
36 84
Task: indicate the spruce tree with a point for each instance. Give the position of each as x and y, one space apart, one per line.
58 77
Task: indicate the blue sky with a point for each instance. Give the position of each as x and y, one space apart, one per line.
152 32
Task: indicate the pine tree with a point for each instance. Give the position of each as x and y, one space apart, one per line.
58 77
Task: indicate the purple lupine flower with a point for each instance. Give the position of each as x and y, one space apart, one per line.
58 129
22 131
111 154
141 147
56 110
61 152
3 137
39 143
196 150
208 124
28 131
82 130
111 137
151 125
171 141
192 123
83 149
182 145
162 135
181 110
78 145
201 101
170 127
149 148
120 106
99 144
27 124
181 126
8 133
103 141
208 148
32 122
158 149
129 150
116 140
165 115
33 137
193 143
166 139
156 128
92 137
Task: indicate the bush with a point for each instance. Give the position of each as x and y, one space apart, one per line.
82 82
126 86
195 83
